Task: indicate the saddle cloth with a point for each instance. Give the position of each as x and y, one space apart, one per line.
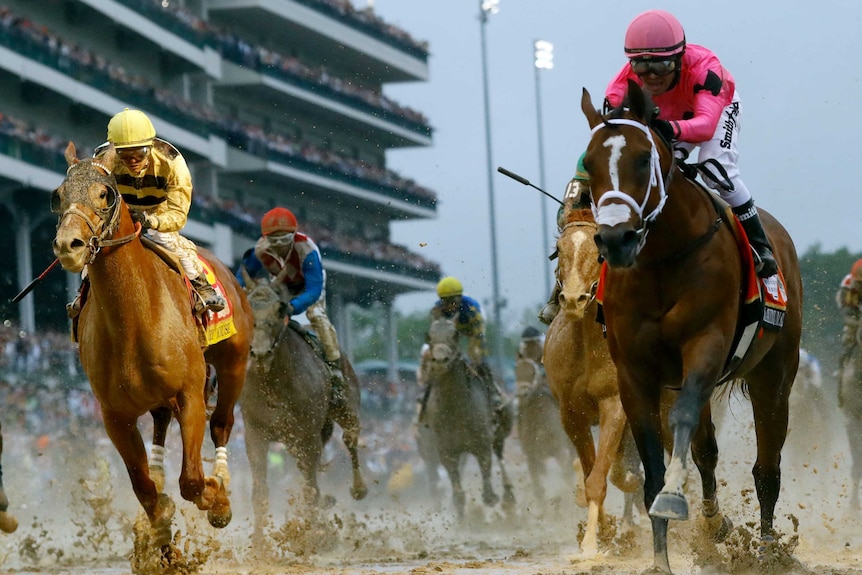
213 327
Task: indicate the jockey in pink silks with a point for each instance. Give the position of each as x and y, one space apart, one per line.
698 106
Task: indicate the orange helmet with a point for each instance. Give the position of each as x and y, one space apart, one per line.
278 220
856 271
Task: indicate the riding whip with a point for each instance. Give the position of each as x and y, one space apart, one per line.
525 181
33 283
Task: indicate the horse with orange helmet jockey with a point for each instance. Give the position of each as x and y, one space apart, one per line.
294 263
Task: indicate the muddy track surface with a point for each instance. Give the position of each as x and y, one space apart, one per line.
76 513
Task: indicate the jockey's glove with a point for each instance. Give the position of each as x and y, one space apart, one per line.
147 220
288 310
665 129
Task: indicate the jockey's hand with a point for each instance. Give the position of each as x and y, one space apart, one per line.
147 220
288 310
664 128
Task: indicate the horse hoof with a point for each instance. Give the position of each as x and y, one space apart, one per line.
359 493
327 502
723 530
490 500
220 518
8 523
669 506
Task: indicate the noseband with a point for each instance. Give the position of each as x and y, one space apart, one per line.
612 214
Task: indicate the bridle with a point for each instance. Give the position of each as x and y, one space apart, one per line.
109 216
581 224
611 213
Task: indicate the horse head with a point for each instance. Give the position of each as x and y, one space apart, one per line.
89 207
268 312
578 264
443 341
627 181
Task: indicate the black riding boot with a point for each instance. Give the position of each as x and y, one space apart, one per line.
212 300
750 221
552 308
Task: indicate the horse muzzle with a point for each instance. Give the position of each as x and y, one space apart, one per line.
619 245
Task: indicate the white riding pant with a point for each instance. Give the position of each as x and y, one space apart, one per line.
183 247
316 314
722 148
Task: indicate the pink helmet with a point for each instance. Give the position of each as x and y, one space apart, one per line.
655 34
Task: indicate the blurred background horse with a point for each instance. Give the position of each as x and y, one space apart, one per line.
539 429
287 400
459 414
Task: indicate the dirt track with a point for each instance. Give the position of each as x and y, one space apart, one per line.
76 520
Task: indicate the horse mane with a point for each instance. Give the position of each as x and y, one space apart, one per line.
580 215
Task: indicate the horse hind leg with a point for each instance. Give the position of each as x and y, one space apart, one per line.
350 427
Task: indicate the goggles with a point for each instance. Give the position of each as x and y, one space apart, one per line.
280 240
133 154
643 67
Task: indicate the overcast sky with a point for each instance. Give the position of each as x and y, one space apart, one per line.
797 67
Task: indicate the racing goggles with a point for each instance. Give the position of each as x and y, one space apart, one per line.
642 67
133 154
280 240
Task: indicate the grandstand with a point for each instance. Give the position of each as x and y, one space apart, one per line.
272 102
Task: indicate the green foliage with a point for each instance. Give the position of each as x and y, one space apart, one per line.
821 328
822 322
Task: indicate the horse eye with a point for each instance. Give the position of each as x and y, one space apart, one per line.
55 202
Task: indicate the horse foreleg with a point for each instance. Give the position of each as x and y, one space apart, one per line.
704 452
489 498
193 486
612 423
161 422
126 438
452 466
684 419
645 421
8 523
256 447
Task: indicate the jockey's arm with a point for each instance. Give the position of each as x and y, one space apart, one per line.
252 266
174 211
312 271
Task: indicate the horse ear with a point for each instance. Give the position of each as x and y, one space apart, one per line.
593 116
637 101
71 155
247 280
108 158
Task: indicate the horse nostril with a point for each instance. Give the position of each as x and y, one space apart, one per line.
562 299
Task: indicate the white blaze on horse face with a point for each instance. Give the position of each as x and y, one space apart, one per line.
613 214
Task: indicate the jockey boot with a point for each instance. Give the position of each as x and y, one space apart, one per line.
336 376
212 300
495 398
552 308
750 220
73 308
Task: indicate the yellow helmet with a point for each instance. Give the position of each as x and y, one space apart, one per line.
131 129
449 287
